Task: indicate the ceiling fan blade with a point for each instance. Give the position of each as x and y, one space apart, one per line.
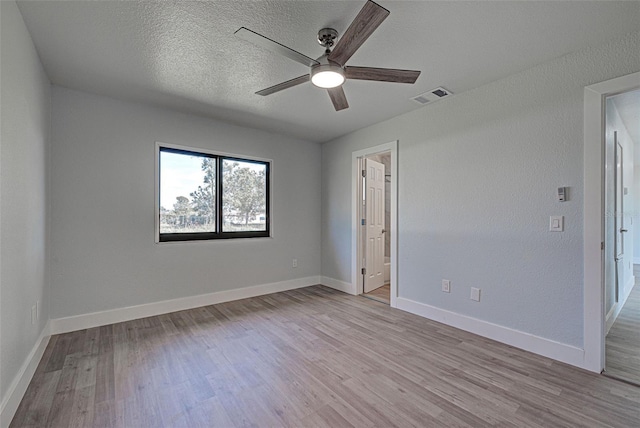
284 85
273 46
365 23
338 98
381 74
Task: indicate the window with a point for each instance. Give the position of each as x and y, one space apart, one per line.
209 196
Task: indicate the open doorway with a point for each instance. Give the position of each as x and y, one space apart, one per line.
622 236
374 217
595 212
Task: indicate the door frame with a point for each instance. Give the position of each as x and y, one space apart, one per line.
594 214
356 230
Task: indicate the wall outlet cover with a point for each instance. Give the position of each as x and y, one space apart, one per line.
446 286
475 294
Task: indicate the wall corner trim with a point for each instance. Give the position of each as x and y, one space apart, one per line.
20 382
336 284
529 342
96 319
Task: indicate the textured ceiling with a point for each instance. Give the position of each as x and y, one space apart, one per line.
184 55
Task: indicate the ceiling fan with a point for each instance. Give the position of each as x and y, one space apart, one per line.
329 70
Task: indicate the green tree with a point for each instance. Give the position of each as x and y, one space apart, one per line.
243 191
181 207
203 200
165 215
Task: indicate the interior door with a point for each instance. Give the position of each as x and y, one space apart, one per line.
374 225
619 218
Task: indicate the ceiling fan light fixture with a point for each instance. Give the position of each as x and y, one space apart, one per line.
327 76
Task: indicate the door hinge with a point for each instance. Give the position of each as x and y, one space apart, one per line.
364 172
364 271
602 245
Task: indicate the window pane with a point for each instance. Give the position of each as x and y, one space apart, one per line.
187 193
244 196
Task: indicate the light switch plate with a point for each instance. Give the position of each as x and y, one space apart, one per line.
556 223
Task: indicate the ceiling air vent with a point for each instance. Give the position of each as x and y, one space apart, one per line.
431 96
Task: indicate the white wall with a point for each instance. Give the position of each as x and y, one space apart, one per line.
25 127
477 178
103 254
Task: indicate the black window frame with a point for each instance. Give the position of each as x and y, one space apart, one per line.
219 234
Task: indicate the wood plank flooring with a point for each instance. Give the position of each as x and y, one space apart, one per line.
623 341
311 357
381 294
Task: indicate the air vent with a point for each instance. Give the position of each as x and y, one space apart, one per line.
431 96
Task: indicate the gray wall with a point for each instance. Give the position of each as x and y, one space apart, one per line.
25 127
477 182
103 254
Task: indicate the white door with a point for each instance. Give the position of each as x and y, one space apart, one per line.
374 225
619 218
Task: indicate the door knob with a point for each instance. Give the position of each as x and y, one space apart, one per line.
623 230
384 231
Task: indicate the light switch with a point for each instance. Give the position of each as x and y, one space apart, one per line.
556 223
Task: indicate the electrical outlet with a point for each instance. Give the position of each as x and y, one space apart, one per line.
446 286
294 263
475 294
34 314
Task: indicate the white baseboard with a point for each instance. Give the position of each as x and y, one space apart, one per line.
345 287
615 310
628 286
529 342
96 319
20 382
610 317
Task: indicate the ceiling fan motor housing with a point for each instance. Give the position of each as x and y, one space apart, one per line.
327 37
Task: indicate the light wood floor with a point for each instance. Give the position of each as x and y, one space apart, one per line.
381 294
623 341
305 358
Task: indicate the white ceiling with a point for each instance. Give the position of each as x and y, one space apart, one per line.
184 55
